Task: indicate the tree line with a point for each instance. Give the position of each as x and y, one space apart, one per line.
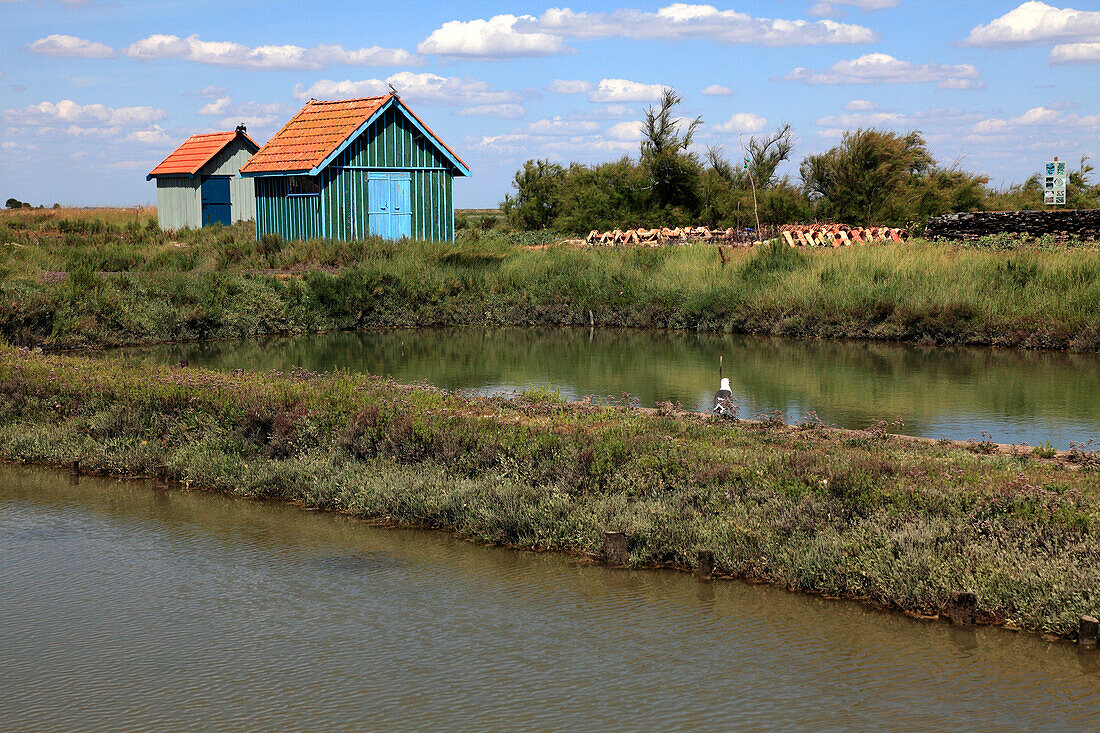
871 178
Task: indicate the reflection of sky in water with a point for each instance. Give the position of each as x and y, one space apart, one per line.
962 425
950 392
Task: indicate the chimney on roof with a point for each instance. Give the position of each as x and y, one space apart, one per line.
241 129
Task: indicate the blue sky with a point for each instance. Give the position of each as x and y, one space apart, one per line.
93 93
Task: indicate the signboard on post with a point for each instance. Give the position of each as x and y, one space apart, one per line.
1054 183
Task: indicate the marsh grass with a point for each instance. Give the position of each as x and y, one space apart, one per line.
899 524
222 282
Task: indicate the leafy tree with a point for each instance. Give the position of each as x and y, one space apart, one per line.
537 186
865 179
14 203
667 158
739 196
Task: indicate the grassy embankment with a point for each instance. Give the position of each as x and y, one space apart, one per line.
869 517
218 283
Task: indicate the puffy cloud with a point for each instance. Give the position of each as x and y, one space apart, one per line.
495 38
423 87
218 107
227 53
623 90
154 136
569 86
210 91
562 126
68 111
717 90
855 120
1037 22
1076 53
502 111
829 7
626 131
1036 117
691 22
71 46
611 111
251 114
860 105
881 68
746 122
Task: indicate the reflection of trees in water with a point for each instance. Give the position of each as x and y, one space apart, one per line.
847 383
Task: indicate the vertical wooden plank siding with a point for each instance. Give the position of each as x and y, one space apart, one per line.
340 212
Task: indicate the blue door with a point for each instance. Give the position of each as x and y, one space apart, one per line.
389 204
216 208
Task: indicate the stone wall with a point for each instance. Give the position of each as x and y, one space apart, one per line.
1084 223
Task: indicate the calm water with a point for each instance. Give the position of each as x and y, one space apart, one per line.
1016 396
124 607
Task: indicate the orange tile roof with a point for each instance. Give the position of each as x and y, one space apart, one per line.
312 134
195 152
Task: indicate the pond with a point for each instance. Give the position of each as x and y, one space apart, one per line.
1015 396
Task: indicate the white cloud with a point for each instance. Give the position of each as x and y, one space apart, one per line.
611 111
71 46
1036 117
1076 53
626 131
881 68
210 91
561 126
717 90
1037 22
252 114
860 105
226 53
691 22
423 87
153 136
829 7
218 107
746 122
853 120
495 38
569 86
622 90
502 111
68 111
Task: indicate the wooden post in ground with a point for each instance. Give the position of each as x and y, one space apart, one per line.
1088 632
160 476
704 567
74 467
963 607
614 548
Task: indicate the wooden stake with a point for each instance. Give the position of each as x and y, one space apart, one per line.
614 548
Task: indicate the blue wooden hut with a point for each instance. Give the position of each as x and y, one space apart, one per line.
354 168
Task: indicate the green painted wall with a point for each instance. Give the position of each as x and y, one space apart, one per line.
340 211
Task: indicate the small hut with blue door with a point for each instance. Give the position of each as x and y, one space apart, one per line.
200 183
354 168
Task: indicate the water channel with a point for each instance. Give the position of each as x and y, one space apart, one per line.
1015 396
128 608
